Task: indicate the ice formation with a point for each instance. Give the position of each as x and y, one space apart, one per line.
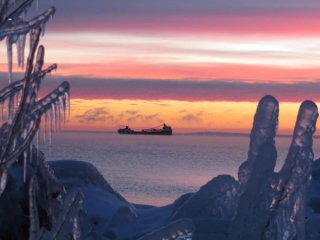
263 131
273 205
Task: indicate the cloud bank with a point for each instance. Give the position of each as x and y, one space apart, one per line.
187 90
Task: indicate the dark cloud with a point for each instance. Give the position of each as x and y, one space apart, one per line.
140 117
95 115
135 118
188 90
191 118
131 112
185 90
173 15
152 117
163 104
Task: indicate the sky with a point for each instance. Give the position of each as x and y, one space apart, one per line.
198 65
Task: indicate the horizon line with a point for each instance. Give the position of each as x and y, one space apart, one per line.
200 133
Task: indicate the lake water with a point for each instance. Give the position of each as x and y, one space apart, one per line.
158 169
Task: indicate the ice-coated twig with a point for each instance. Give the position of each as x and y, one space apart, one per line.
43 104
9 43
172 231
15 87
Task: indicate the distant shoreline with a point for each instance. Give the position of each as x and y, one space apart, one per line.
189 133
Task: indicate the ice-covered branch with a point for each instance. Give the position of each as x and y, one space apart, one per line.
15 10
45 222
4 4
54 97
23 106
26 27
16 87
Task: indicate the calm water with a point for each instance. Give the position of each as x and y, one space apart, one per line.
157 169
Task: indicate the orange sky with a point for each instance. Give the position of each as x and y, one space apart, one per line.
183 116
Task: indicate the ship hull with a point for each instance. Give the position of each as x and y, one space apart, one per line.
166 130
144 133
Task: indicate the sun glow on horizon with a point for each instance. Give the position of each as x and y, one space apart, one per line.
183 116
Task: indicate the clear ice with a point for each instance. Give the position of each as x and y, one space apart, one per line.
273 205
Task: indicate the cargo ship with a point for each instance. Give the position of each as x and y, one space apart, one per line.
165 130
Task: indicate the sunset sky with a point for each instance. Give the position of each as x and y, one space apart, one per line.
198 65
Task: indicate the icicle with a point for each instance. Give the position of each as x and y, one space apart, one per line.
45 132
38 145
37 5
25 157
25 162
3 181
52 15
62 101
1 111
54 115
10 108
76 228
33 37
24 15
16 101
66 94
20 50
50 129
30 153
14 144
9 55
43 29
59 116
18 94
